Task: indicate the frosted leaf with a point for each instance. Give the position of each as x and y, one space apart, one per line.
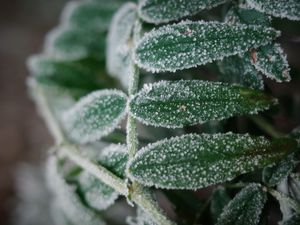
189 44
274 174
219 200
95 15
65 74
195 161
95 115
162 11
142 218
119 43
294 186
71 43
294 220
272 62
296 135
245 208
97 194
289 9
186 102
238 70
67 199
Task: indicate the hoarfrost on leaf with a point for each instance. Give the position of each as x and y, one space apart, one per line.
142 218
95 115
162 11
189 44
195 161
187 102
293 220
119 43
245 208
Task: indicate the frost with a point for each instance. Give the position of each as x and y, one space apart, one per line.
66 198
161 11
190 44
296 135
293 220
219 200
97 194
72 43
187 102
95 115
245 208
142 218
196 161
294 186
119 43
238 70
289 9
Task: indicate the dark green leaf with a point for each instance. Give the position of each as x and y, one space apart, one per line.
245 207
189 44
179 103
294 220
195 161
95 115
161 11
219 200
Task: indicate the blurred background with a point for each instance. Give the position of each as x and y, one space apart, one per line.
23 135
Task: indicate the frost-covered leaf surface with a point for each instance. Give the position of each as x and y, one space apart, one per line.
72 43
238 70
272 62
189 44
119 43
142 218
245 207
89 14
294 220
219 200
296 135
67 199
194 161
95 115
289 9
273 175
161 11
186 102
294 187
97 194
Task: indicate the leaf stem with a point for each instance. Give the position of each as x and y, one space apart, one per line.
267 127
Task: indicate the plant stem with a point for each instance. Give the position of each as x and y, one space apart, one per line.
265 126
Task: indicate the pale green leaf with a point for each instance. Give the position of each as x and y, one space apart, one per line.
194 161
95 115
186 102
161 11
219 200
289 9
189 44
119 43
245 207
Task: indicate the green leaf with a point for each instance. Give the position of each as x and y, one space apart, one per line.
162 11
119 43
238 70
95 115
187 102
67 199
289 9
219 200
274 174
245 207
294 220
190 44
71 43
196 161
93 15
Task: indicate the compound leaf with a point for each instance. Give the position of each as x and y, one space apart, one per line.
186 102
95 115
194 161
219 200
161 11
245 207
119 43
289 9
189 44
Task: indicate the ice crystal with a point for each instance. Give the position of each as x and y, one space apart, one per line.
119 43
195 161
245 207
289 9
161 11
95 115
189 44
219 200
185 102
